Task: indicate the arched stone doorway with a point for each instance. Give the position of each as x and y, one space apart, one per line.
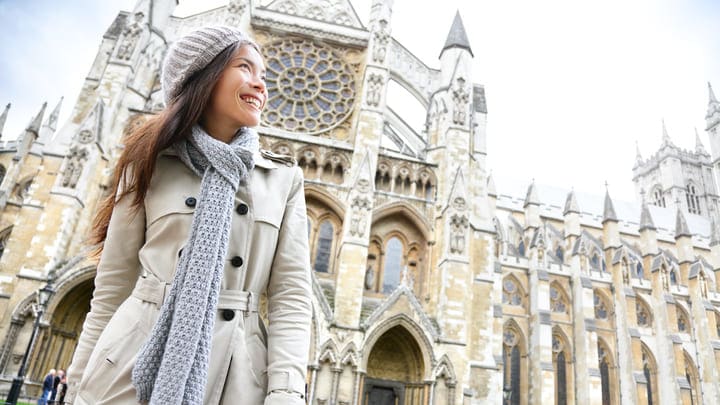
55 345
395 371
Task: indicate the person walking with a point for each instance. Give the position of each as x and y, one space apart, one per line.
56 382
198 226
47 387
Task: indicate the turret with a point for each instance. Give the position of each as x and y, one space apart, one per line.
648 232
571 215
48 130
610 221
683 238
532 208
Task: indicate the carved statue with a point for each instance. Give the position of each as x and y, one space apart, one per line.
131 34
664 279
74 167
374 91
369 277
702 284
235 10
382 37
458 224
358 219
460 97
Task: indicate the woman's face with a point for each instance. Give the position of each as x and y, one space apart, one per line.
239 95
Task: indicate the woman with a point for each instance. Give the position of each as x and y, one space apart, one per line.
202 223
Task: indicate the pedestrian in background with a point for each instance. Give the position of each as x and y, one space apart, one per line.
47 387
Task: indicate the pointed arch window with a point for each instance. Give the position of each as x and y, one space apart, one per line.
673 277
4 238
604 365
691 375
683 324
658 198
601 309
559 253
558 301
2 173
392 266
512 368
639 270
521 248
643 314
324 246
560 366
650 373
693 201
512 294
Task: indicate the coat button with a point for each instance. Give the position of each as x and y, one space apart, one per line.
190 202
236 261
242 209
228 314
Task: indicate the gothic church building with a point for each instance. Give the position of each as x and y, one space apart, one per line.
431 285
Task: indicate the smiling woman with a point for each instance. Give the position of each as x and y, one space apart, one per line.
198 225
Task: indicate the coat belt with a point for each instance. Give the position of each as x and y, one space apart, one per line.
150 289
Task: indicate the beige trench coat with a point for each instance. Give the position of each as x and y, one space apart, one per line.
268 253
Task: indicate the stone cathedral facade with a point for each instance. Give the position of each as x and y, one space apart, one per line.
431 284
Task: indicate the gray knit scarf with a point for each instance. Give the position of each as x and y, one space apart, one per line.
172 366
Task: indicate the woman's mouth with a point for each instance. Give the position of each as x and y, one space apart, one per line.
253 101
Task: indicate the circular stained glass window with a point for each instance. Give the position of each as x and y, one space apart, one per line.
310 89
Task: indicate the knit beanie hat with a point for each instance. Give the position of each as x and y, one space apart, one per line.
194 51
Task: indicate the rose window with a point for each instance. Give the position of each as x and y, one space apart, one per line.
310 89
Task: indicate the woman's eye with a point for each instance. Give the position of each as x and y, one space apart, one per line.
244 66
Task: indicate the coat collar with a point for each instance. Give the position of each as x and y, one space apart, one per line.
261 161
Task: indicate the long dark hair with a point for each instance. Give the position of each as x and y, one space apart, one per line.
135 166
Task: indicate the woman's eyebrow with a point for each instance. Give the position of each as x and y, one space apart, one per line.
251 63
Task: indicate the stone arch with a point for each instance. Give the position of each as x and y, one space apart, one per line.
349 355
693 378
308 159
328 352
397 359
323 389
445 382
514 356
683 318
409 212
398 77
608 377
649 370
562 362
606 300
643 312
513 291
283 148
419 335
561 302
313 192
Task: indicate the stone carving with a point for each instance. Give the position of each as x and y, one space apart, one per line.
358 220
460 97
458 225
369 277
382 37
85 136
235 11
459 204
76 160
702 285
131 35
625 272
374 92
664 279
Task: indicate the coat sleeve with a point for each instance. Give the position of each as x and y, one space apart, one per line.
117 273
289 306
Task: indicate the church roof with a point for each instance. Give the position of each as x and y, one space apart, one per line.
457 36
511 193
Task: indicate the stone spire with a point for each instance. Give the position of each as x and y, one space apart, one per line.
3 117
34 124
531 197
681 226
638 156
457 36
571 204
713 99
608 209
491 190
51 122
699 148
665 137
646 221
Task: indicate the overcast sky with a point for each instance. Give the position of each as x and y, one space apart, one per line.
571 85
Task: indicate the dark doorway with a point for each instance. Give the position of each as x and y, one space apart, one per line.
380 392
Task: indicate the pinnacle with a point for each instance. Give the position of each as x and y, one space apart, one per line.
457 36
646 221
571 204
681 226
608 209
532 196
713 99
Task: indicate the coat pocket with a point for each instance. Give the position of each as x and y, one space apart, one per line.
257 352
